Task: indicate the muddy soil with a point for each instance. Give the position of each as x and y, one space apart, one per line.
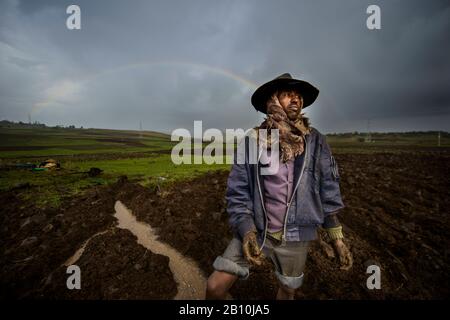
37 243
190 280
396 216
113 266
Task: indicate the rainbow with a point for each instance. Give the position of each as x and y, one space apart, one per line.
61 90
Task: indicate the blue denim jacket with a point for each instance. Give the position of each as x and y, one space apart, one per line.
316 194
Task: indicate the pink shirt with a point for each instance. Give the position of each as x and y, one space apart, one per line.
278 190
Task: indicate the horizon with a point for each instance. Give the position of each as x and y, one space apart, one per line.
223 131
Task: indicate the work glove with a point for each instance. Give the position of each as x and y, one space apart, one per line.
345 256
251 249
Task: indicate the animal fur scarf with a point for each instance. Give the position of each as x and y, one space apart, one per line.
291 133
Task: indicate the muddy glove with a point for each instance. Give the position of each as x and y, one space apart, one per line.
251 249
345 256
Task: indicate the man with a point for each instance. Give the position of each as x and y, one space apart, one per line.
276 215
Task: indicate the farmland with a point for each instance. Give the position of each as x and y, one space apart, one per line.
395 188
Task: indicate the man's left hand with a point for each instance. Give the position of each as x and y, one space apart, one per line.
345 256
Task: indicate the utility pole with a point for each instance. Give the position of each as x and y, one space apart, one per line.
439 138
29 118
369 137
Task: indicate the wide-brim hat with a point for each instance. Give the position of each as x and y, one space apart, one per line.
284 81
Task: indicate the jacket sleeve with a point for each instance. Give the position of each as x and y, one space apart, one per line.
331 221
239 200
330 192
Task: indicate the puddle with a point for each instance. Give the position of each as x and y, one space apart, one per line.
190 279
80 251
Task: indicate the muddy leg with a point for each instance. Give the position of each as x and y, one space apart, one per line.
285 293
218 284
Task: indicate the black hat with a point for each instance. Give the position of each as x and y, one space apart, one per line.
264 92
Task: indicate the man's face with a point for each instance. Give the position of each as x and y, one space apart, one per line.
292 103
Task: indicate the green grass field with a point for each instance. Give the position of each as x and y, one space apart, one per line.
142 156
32 142
388 142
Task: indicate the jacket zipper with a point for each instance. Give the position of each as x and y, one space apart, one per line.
262 202
283 236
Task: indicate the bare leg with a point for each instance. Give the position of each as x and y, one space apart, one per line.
285 293
218 284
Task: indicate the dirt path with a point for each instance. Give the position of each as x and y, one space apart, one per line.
191 282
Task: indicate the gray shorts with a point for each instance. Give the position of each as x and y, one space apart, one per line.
289 260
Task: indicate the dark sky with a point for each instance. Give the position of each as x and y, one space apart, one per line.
168 63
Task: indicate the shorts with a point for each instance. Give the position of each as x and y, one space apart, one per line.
289 260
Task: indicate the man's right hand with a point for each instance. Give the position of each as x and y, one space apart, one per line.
251 249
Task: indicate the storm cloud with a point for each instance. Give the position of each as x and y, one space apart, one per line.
167 63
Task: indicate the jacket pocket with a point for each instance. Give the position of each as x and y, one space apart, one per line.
309 209
313 172
334 169
292 213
